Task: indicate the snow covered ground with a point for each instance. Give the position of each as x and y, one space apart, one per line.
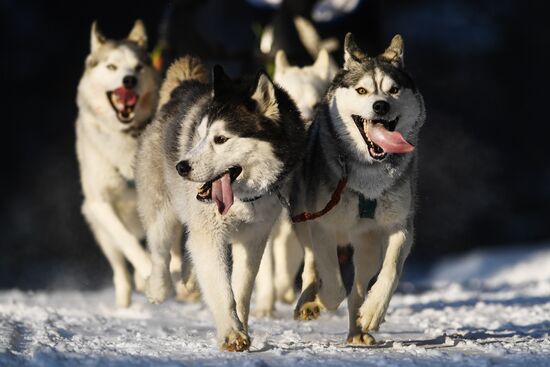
482 309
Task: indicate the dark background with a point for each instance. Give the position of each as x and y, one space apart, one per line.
481 65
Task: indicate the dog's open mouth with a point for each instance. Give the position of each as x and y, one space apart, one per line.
124 102
381 137
219 189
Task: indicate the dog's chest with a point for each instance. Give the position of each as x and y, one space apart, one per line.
355 209
123 156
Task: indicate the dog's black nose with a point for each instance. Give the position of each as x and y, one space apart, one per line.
129 81
381 107
183 168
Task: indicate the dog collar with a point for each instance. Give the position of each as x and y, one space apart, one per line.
249 200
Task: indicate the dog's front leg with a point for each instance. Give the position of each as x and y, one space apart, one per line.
288 256
163 231
105 215
265 288
247 254
331 286
373 310
121 276
308 306
210 255
367 260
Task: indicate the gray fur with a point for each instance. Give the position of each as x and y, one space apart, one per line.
335 149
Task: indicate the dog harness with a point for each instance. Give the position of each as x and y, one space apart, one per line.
367 207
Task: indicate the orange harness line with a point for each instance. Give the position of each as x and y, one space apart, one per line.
334 200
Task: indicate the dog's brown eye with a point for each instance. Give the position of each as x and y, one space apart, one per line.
220 139
361 90
111 67
139 68
394 90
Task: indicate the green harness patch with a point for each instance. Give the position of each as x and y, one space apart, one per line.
367 207
131 184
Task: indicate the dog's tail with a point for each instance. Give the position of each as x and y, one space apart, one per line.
184 68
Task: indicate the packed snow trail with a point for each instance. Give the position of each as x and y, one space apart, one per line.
486 308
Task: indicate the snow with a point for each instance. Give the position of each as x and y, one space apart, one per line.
481 309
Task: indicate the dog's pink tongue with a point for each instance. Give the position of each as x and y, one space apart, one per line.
222 193
127 96
390 141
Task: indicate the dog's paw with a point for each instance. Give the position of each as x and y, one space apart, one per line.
235 341
159 288
360 339
307 311
371 314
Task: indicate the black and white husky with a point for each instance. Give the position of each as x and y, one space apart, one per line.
214 159
362 144
117 96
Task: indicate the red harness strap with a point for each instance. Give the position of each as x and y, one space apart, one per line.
334 200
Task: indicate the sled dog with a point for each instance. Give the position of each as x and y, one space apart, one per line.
361 162
213 159
116 98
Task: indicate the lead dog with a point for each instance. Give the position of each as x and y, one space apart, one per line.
363 140
116 98
213 159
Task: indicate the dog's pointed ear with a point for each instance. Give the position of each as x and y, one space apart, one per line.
264 96
394 52
219 80
281 62
96 37
138 34
322 64
352 52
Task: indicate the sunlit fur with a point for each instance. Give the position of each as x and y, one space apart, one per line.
336 150
106 149
264 135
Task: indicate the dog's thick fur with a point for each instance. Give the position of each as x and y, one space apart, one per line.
106 148
337 147
283 254
202 136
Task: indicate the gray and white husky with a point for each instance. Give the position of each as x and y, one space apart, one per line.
213 159
363 138
116 97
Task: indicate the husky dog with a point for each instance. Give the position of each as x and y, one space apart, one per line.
306 85
116 98
362 140
283 254
213 159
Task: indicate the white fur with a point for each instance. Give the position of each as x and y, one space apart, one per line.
244 229
106 156
305 85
